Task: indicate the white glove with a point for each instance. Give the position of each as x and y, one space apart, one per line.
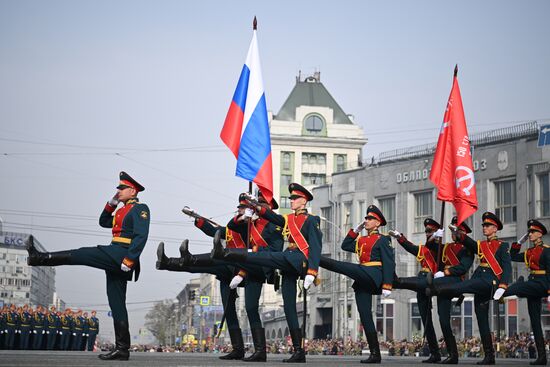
7 329
359 227
439 233
34 331
43 332
547 300
308 281
498 294
439 274
237 279
386 293
248 213
124 268
60 333
523 238
74 334
394 233
114 200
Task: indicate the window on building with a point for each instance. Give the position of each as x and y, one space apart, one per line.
505 195
340 162
314 125
326 226
468 326
309 179
502 319
387 206
287 159
423 208
543 195
416 321
384 318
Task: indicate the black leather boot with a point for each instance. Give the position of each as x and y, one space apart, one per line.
488 350
184 249
162 259
37 258
452 350
435 357
259 355
299 355
541 352
122 343
375 357
237 344
411 283
217 250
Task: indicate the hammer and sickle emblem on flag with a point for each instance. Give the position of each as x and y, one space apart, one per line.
468 176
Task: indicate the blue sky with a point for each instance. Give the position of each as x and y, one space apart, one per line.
89 88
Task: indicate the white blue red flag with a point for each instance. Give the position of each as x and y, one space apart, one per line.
246 127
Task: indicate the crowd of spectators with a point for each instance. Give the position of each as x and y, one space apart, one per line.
519 346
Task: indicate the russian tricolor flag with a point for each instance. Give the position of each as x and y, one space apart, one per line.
246 128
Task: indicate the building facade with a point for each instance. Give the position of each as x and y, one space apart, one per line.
512 179
19 283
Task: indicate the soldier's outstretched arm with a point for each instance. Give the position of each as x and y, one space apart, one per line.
315 240
106 217
350 242
515 254
207 228
466 259
410 247
506 264
270 215
388 262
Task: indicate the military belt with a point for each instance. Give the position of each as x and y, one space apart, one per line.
38 327
124 240
538 272
93 328
66 327
25 325
78 328
51 327
10 324
485 265
372 263
292 246
425 270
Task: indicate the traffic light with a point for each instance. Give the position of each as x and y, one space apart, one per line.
192 295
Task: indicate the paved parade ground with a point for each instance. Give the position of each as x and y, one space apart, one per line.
46 358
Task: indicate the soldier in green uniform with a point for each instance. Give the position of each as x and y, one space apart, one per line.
85 331
2 326
224 272
119 260
66 329
12 322
373 274
491 278
24 327
39 324
78 330
426 255
456 260
53 328
300 259
93 330
537 260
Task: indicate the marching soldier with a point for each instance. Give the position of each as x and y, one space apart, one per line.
374 272
119 260
537 260
301 256
93 330
202 263
53 322
494 271
39 324
426 255
456 260
85 331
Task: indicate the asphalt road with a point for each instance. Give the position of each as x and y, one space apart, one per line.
57 358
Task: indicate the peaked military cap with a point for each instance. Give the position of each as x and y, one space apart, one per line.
463 226
374 212
242 200
535 225
490 218
273 204
127 181
298 191
429 222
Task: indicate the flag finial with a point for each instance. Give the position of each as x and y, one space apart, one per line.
255 24
456 70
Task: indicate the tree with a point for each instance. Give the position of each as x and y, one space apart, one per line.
157 320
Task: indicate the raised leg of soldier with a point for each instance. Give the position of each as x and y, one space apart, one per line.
93 257
411 283
354 271
425 308
363 299
275 260
526 289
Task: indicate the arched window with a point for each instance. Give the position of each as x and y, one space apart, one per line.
314 125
